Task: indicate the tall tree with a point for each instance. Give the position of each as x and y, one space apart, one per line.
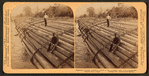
91 11
27 11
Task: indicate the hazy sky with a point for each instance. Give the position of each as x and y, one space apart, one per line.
19 9
82 9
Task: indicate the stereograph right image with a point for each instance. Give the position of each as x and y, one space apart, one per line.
106 36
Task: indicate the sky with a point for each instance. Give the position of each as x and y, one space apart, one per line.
82 9
19 9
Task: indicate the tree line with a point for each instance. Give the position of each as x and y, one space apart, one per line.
57 10
121 11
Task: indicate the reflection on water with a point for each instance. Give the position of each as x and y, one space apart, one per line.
19 57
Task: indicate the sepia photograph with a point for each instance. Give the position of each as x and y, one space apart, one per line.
74 37
106 36
42 36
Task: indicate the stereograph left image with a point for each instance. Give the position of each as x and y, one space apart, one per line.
42 36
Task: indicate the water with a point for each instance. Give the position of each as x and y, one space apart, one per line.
19 57
83 58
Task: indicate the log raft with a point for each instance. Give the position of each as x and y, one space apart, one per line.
99 36
35 37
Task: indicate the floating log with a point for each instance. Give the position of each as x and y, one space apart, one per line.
48 55
100 35
101 57
35 61
34 40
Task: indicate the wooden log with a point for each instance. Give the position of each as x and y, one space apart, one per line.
116 60
42 38
126 65
124 57
135 32
64 23
133 64
124 23
35 61
123 38
69 34
50 33
41 41
115 21
135 58
69 61
135 36
59 58
63 51
121 55
110 39
63 54
69 40
101 57
114 31
99 64
124 41
36 44
52 57
45 63
104 39
54 27
64 45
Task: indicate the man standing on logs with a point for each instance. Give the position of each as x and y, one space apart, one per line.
116 42
108 18
53 43
45 19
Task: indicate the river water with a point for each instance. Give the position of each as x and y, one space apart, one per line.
19 57
83 59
